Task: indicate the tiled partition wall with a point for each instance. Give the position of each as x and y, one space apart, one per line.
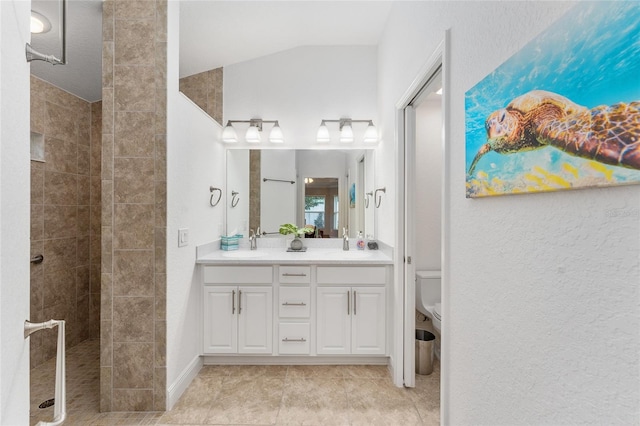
205 90
65 217
133 324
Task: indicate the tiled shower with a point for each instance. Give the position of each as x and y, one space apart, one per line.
65 217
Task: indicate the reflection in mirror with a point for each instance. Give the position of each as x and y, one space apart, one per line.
271 190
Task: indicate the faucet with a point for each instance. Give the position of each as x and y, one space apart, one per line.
345 240
253 243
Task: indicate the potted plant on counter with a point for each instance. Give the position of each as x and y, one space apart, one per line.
290 228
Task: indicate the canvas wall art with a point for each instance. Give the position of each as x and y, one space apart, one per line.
564 111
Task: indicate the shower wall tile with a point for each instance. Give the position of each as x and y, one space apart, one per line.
107 296
107 156
106 388
37 182
160 389
133 275
134 88
107 63
205 90
60 221
84 190
134 134
60 188
84 254
106 343
133 226
135 9
60 154
135 41
108 13
107 202
132 400
60 253
84 159
133 365
84 220
134 179
133 319
160 171
37 222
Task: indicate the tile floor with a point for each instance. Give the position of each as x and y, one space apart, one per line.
256 395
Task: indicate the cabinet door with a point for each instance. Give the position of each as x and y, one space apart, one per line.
255 320
368 335
220 323
333 321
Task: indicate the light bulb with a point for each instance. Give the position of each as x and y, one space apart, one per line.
371 134
253 135
276 136
229 134
346 134
323 134
39 23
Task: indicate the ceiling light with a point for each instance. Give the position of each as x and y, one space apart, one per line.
229 134
323 133
39 23
276 136
371 134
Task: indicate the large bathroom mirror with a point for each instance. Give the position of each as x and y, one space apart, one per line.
322 188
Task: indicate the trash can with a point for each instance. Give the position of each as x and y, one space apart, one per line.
424 351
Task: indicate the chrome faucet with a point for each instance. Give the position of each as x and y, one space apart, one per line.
345 239
253 242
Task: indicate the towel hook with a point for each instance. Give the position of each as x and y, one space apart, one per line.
366 199
378 198
234 200
213 191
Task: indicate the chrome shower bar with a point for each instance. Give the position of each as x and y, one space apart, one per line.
34 55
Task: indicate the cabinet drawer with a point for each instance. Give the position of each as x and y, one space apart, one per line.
293 338
352 275
294 302
295 274
238 274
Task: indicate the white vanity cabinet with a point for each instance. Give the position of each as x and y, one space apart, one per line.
294 310
238 318
351 319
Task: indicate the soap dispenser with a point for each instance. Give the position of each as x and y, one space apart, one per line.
360 241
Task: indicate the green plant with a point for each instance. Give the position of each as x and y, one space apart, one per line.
290 228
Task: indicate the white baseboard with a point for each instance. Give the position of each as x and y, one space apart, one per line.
294 360
177 388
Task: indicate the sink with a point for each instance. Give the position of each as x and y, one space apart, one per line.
349 255
244 254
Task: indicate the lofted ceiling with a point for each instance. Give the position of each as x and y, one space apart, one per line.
213 33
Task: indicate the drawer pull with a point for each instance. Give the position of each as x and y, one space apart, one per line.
294 304
239 302
233 302
287 274
302 339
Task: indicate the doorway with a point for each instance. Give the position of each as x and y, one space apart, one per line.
422 220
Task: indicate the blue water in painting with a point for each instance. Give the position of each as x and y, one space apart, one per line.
591 55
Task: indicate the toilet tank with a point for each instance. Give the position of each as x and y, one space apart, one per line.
428 287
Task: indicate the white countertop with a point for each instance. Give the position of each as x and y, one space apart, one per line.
313 255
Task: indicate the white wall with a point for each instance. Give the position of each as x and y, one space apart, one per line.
541 310
195 161
428 203
14 212
302 86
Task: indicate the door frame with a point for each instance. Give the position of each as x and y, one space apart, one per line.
405 308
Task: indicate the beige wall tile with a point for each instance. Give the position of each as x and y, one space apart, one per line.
61 155
161 344
105 389
60 221
84 190
134 88
133 319
106 343
133 226
60 188
161 158
133 180
161 250
106 291
95 183
108 18
160 389
84 220
37 111
161 20
133 273
107 249
134 135
161 204
108 48
132 400
135 9
59 287
60 253
133 365
37 221
135 41
37 183
84 254
84 159
60 122
107 156
107 203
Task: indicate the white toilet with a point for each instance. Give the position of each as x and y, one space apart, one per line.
428 295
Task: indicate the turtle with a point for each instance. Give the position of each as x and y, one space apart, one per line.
607 134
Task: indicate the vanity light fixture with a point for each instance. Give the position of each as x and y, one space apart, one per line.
346 131
252 135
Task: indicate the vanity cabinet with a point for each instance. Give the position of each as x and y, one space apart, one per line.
238 318
351 317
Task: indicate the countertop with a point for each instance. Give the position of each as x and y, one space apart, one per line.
276 256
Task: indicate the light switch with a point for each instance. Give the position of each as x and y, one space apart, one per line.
183 237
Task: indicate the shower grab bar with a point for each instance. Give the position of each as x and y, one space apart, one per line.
60 405
278 180
34 55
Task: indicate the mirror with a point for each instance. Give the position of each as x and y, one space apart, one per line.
324 188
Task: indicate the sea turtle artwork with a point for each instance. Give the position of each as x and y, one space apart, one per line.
537 119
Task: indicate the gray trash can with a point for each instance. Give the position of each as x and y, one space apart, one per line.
424 351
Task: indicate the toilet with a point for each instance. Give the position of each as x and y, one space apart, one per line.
428 295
